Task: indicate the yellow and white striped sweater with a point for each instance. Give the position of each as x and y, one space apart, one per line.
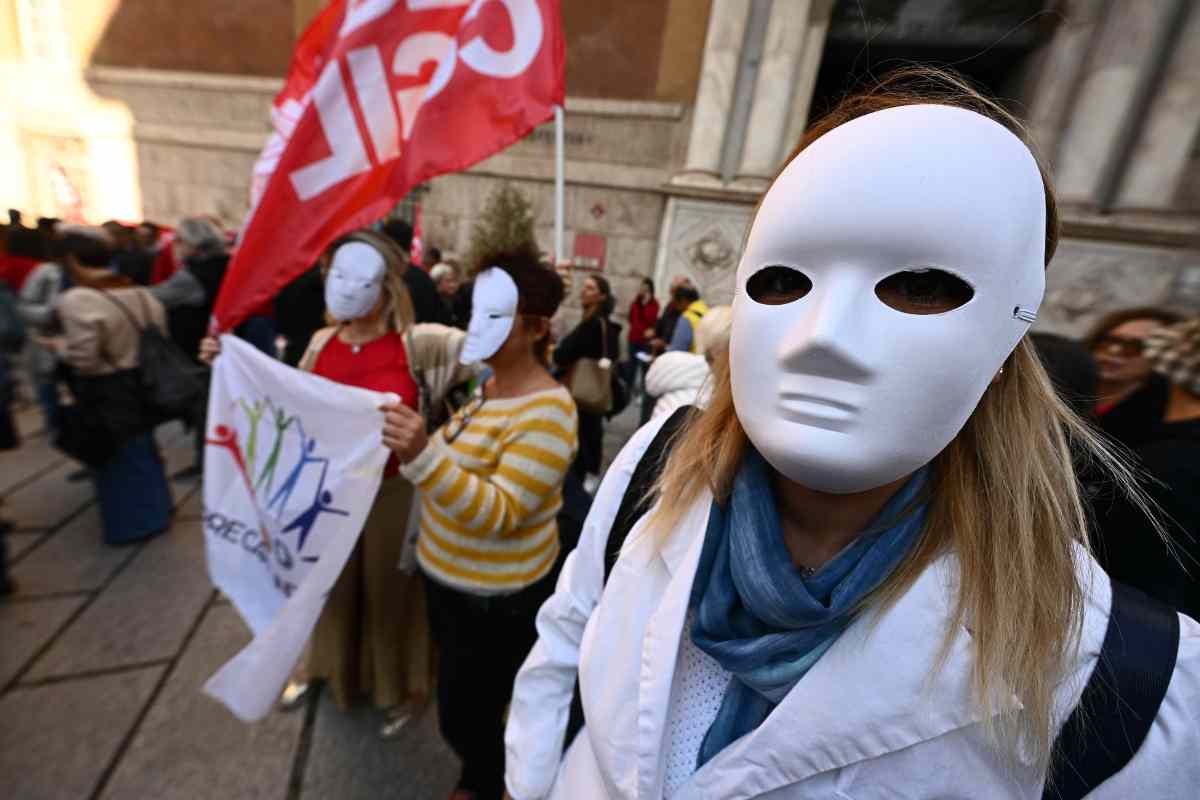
489 498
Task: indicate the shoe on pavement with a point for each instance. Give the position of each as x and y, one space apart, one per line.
395 723
294 695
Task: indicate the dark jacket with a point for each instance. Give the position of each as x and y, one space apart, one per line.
189 324
585 342
1127 546
300 312
1132 421
427 303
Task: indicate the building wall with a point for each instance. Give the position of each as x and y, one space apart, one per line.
235 37
197 137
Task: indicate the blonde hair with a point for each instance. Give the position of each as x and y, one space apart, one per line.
397 303
1005 499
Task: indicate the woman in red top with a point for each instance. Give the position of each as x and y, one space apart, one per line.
643 313
373 635
372 638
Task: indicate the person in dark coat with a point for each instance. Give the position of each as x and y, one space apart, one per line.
588 340
1127 545
1072 370
427 303
300 312
1130 398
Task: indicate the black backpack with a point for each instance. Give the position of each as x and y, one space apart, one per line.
172 384
1118 704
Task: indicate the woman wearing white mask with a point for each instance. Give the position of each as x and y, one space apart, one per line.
372 637
867 574
491 486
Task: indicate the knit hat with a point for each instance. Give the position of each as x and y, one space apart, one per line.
713 329
1174 352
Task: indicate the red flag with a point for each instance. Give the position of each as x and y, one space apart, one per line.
382 95
418 246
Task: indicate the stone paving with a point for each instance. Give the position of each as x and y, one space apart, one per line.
103 652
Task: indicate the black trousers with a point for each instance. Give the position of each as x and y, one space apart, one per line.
481 642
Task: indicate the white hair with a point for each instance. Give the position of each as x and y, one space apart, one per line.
441 271
713 329
200 235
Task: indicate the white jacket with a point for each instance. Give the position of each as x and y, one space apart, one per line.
872 719
677 379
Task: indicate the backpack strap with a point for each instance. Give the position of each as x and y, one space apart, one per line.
1121 698
124 309
634 503
636 500
308 361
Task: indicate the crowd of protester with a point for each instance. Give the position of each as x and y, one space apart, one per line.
76 302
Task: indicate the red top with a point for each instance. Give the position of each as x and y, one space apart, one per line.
380 365
165 264
15 269
641 317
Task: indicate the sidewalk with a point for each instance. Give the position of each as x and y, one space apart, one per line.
103 652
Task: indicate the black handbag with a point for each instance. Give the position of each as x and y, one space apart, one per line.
108 411
172 385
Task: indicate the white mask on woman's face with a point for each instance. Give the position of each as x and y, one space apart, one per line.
840 391
355 281
494 300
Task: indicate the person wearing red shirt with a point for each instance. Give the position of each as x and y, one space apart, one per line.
373 635
643 314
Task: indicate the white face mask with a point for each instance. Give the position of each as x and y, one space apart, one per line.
838 390
493 309
355 281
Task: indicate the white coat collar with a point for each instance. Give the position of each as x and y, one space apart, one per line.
874 692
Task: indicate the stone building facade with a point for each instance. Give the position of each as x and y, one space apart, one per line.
678 114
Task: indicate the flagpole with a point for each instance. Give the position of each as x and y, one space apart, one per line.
558 185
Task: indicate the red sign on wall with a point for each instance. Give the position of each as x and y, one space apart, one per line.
590 250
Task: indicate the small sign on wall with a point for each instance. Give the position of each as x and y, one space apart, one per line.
590 251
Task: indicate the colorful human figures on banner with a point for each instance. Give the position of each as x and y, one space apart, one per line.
254 413
308 448
305 521
225 437
282 423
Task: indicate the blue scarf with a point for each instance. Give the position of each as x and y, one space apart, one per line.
758 617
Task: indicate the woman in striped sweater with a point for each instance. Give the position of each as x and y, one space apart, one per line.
491 483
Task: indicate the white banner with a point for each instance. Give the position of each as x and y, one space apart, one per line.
291 468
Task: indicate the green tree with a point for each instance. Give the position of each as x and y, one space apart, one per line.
506 223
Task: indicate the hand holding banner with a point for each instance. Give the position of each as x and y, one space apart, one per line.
294 460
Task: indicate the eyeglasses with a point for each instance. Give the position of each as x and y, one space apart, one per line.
1121 345
461 419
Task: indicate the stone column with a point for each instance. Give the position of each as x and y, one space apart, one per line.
1121 56
1054 74
806 75
1161 154
714 96
782 52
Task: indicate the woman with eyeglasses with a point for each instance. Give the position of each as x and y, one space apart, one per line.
1131 399
372 637
491 485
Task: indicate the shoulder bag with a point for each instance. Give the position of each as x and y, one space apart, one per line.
590 381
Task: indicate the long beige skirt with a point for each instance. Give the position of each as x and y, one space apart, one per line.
373 636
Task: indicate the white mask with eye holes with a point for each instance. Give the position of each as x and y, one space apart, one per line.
890 270
494 300
355 281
